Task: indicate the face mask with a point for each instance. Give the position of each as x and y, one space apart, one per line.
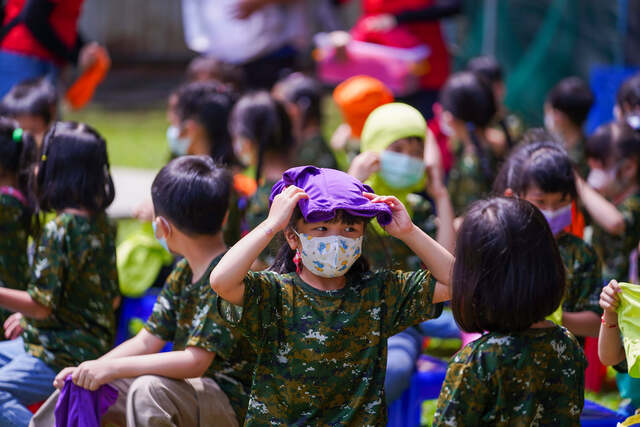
444 127
178 146
399 170
242 151
161 240
600 179
330 256
558 220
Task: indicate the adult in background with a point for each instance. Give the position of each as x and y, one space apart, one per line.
267 35
38 38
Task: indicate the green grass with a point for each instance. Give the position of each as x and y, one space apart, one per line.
135 138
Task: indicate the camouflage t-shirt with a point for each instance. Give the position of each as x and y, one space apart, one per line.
614 250
74 274
183 315
257 211
315 151
535 377
14 264
467 181
584 275
322 354
385 252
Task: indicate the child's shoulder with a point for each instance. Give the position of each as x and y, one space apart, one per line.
570 243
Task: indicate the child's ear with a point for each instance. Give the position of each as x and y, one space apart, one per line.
164 226
291 238
508 192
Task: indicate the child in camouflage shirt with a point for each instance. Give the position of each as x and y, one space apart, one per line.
320 320
508 275
205 380
17 152
542 173
68 305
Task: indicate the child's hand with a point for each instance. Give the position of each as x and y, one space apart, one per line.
401 223
92 374
58 381
435 182
609 300
283 206
12 327
364 164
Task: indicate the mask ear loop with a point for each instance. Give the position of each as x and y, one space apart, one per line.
297 259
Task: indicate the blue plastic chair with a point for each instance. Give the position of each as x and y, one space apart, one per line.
134 311
604 82
594 415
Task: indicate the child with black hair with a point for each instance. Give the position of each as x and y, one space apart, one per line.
541 173
209 69
469 107
263 142
33 104
628 98
565 111
17 154
612 196
68 305
301 95
320 319
205 380
525 370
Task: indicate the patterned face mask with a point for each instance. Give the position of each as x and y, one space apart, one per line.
330 256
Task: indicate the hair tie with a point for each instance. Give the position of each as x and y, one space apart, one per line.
44 158
17 135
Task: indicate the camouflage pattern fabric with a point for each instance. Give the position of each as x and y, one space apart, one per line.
14 264
613 250
467 182
185 315
535 377
74 274
584 275
257 211
322 354
385 252
315 151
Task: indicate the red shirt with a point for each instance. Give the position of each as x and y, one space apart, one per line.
63 20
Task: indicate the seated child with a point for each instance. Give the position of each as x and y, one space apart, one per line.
508 276
320 319
205 380
33 104
302 97
17 154
68 305
565 111
542 174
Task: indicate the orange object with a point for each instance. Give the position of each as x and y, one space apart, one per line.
245 186
577 222
357 97
81 92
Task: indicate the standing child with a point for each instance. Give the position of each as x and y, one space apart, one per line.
542 174
613 152
320 320
468 108
205 380
17 151
525 370
68 306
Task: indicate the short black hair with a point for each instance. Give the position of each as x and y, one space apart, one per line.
223 72
573 97
629 93
543 163
209 104
73 171
508 273
305 92
263 120
486 66
37 97
469 97
193 193
614 142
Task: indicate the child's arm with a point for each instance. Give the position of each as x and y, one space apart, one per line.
446 235
582 323
437 259
604 213
21 301
192 362
227 277
610 349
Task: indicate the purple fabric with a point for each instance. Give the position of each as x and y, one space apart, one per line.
79 407
330 190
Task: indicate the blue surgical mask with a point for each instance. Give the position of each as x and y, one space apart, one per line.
399 170
178 146
161 240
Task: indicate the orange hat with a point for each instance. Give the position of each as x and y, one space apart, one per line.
357 97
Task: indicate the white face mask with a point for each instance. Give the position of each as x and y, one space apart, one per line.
178 146
330 256
600 179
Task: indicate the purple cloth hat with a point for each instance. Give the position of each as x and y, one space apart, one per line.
330 190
